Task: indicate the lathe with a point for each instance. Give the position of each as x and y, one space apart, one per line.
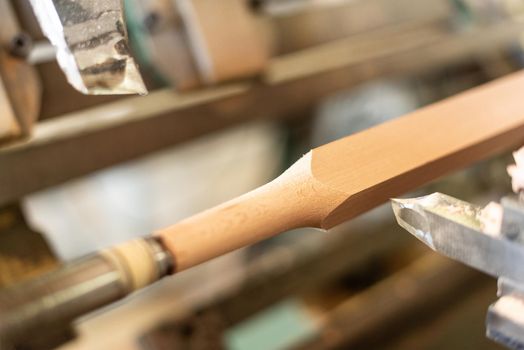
201 65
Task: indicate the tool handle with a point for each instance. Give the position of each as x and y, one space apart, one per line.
294 199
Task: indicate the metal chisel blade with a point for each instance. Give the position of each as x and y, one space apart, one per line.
453 228
92 47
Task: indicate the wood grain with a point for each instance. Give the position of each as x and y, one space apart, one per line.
400 155
342 179
295 199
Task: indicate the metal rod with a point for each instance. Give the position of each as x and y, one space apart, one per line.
29 310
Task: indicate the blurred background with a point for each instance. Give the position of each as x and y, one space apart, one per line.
79 173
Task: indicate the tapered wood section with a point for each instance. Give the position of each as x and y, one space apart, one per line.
342 179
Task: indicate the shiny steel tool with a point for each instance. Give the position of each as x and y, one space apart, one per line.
92 45
461 231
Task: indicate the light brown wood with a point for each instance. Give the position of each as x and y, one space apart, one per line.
406 44
225 38
20 81
342 179
8 124
294 199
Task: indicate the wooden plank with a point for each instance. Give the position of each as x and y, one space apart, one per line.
337 181
314 23
405 153
429 42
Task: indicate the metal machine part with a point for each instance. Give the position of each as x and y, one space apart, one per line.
45 307
92 46
159 39
456 229
191 43
505 318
